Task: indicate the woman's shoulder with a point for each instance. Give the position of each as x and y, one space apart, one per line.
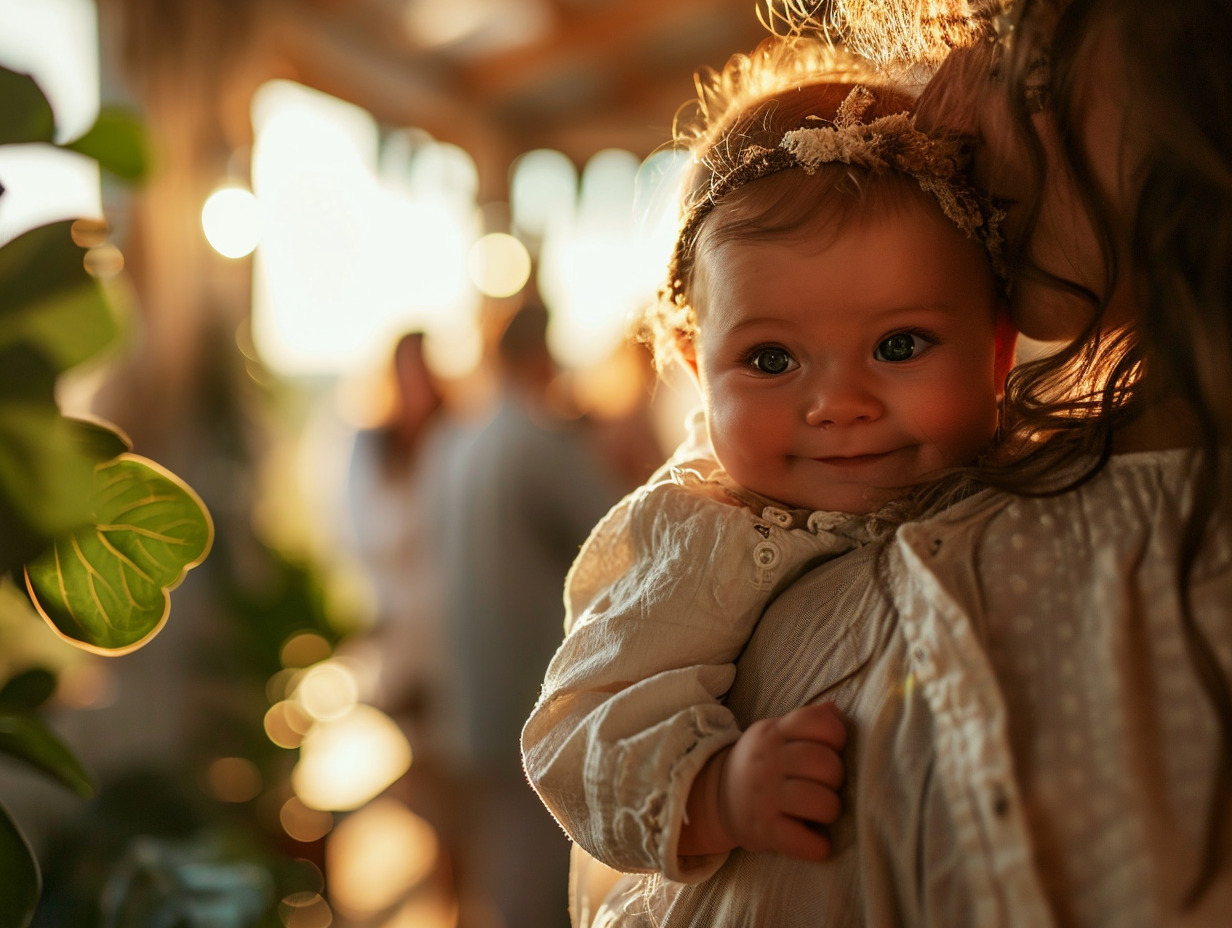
1131 497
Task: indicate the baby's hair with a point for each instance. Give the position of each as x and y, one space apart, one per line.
824 137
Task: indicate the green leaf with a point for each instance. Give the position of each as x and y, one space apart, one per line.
24 736
26 374
28 689
25 114
105 587
20 882
49 301
117 141
99 441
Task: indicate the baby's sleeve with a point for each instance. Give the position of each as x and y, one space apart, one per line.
662 599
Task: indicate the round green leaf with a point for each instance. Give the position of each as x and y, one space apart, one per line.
105 588
25 737
20 883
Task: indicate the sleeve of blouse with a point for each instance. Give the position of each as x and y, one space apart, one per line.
660 602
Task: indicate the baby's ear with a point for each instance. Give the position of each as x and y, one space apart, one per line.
1005 338
687 351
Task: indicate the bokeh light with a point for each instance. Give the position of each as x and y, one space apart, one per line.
302 823
88 684
487 25
304 649
57 42
499 264
376 856
601 266
346 762
286 723
428 910
359 244
103 261
305 910
233 779
327 690
43 184
231 219
542 190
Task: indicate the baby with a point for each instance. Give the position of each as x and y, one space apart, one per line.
832 291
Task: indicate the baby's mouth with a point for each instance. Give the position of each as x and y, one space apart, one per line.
853 460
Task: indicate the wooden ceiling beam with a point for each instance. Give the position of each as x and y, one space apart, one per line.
393 89
595 40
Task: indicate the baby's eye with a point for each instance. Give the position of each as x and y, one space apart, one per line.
902 346
772 360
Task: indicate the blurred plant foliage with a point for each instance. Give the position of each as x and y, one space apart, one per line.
98 535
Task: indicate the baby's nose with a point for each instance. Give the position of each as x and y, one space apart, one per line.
842 403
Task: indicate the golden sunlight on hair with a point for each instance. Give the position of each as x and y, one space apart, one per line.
776 65
897 32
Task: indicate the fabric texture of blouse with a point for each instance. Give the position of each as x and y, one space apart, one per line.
1029 741
660 602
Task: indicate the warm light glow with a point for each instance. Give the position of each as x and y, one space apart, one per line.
376 856
346 762
104 261
304 649
542 191
305 910
499 265
601 268
44 184
618 386
483 25
231 219
302 823
357 246
89 684
282 684
57 42
286 723
426 910
233 779
327 691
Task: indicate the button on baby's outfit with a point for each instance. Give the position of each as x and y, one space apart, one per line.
766 555
777 516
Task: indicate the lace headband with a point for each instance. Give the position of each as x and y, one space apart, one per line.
888 143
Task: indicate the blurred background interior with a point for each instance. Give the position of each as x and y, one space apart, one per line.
382 269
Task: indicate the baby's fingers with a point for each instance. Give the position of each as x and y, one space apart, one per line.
812 760
800 839
815 723
810 802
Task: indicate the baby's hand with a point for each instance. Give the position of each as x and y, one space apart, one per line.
780 780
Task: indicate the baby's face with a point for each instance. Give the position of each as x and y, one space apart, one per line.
836 377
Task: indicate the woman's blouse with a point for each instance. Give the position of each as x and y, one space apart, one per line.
660 602
1029 740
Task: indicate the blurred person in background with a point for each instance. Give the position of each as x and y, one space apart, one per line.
393 477
393 473
524 489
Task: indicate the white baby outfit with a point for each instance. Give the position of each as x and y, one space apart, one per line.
660 603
